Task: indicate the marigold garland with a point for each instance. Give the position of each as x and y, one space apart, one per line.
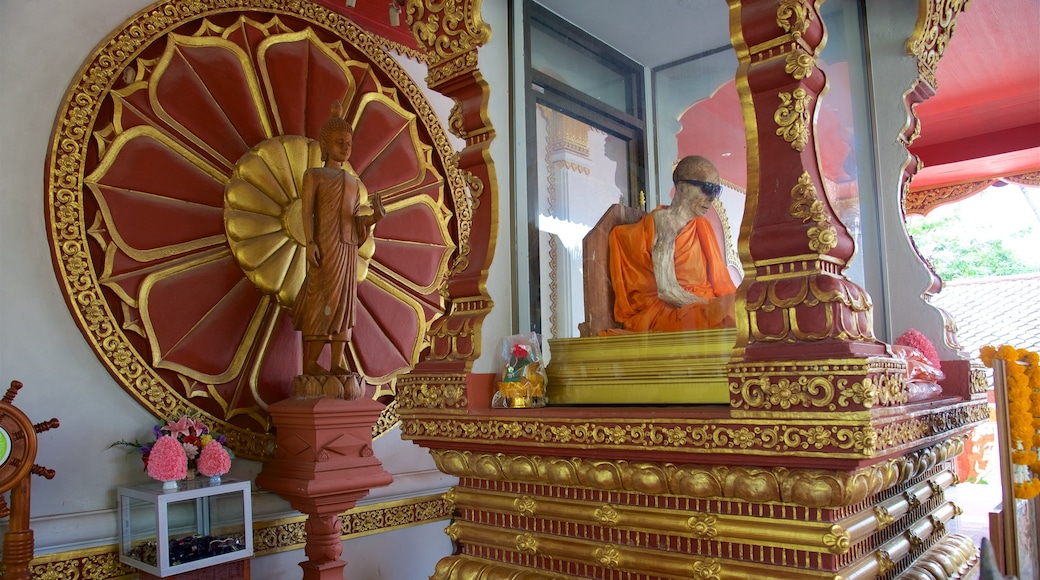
1023 393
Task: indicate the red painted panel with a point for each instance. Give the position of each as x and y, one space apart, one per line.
146 165
415 223
204 89
416 263
147 222
376 129
187 307
386 326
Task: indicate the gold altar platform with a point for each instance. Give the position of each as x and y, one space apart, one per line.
641 368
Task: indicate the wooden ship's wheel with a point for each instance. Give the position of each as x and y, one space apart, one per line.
17 453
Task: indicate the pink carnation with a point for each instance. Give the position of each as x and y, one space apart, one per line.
214 460
915 339
167 460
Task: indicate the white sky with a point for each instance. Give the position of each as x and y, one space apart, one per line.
998 213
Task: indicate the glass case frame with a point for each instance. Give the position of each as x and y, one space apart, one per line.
196 512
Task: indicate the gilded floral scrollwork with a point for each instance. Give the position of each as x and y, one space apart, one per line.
703 526
527 544
792 118
808 207
794 17
453 531
607 515
799 64
421 393
884 562
525 505
707 569
884 519
608 556
936 24
451 31
804 487
827 387
837 540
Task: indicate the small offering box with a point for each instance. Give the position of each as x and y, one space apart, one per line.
199 524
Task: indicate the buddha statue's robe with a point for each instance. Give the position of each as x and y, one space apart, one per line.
700 268
326 304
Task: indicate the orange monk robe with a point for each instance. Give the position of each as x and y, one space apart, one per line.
699 268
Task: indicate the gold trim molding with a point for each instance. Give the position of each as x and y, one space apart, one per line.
803 487
272 537
852 384
847 435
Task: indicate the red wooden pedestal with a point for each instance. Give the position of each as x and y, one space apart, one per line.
324 464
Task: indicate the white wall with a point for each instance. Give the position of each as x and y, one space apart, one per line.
42 45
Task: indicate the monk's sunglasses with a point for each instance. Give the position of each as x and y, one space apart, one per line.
712 190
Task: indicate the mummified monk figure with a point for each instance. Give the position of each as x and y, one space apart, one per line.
335 223
667 270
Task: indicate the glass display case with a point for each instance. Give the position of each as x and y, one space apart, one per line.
171 531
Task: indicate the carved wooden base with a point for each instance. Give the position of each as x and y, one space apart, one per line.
323 465
346 387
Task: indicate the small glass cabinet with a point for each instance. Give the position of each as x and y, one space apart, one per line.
171 531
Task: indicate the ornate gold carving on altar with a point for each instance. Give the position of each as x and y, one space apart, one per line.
915 541
808 207
912 500
795 292
979 381
840 384
936 23
852 435
809 488
454 531
792 118
794 17
884 519
884 562
457 336
707 569
752 436
808 536
703 526
148 114
451 31
430 392
525 505
527 544
607 516
608 556
837 540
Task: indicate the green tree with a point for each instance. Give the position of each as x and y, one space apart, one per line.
955 250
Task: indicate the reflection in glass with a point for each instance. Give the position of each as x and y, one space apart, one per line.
581 172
